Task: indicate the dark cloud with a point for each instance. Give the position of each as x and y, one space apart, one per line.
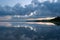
42 9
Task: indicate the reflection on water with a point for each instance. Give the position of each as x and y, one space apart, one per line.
21 23
41 23
29 30
5 24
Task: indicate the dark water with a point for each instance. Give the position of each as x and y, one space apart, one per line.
12 28
29 31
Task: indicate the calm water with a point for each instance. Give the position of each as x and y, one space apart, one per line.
18 29
29 31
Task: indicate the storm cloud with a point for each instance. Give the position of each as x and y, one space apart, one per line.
35 9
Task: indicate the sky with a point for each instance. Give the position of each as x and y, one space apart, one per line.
22 2
13 2
27 11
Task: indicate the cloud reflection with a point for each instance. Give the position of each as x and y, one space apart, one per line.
41 23
7 24
18 25
5 18
26 26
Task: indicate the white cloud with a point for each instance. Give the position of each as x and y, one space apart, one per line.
41 1
56 1
51 1
23 16
32 13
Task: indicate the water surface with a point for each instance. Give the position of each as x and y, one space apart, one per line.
29 31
